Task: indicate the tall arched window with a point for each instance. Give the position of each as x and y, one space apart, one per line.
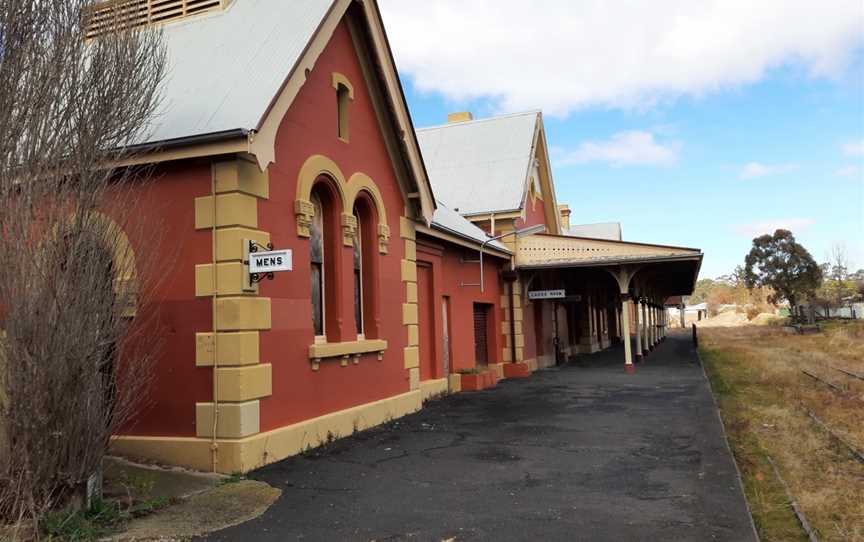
316 259
358 274
366 270
343 98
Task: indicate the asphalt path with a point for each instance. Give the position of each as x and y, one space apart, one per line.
580 452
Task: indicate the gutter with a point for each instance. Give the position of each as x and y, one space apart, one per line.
213 137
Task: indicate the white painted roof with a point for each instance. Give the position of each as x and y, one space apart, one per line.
225 68
610 231
482 165
448 220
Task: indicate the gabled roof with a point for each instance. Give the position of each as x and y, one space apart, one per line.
450 221
480 166
607 230
225 68
233 74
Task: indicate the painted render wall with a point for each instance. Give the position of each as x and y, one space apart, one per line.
309 128
174 312
449 273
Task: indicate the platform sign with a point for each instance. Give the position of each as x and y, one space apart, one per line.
271 261
547 294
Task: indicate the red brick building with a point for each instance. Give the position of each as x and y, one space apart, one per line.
285 125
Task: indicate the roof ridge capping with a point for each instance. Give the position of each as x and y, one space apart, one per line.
484 119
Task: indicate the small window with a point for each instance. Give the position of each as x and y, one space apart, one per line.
358 274
316 259
343 98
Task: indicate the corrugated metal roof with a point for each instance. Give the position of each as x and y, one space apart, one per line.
607 230
451 221
224 69
480 166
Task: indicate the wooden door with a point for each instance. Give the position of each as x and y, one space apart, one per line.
426 321
445 335
481 333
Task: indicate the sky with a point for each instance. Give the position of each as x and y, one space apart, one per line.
698 123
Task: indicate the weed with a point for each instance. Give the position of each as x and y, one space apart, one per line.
755 372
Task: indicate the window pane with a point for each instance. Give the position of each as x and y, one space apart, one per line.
317 300
358 280
316 232
358 301
316 258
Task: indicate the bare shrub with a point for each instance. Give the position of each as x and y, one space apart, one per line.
73 295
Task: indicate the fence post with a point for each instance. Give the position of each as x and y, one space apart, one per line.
695 337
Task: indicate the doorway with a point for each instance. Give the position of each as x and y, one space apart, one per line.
426 321
481 333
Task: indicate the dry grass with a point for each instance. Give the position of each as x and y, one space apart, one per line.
764 399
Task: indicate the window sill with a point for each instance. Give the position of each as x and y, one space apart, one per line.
346 349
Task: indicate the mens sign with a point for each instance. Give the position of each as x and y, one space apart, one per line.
271 261
547 294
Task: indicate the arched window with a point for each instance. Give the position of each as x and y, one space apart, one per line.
358 274
325 269
316 263
343 98
366 273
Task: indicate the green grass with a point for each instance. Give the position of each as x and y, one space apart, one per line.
103 519
736 389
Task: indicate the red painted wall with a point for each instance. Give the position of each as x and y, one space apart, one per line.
534 214
172 247
449 273
309 128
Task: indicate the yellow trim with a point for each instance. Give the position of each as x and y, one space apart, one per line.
411 292
411 356
236 420
234 209
229 242
414 378
236 384
409 271
337 79
410 250
407 228
409 313
230 280
317 165
240 175
413 334
245 454
455 381
430 389
348 348
230 146
243 313
238 348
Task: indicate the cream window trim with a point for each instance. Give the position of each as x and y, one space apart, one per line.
347 348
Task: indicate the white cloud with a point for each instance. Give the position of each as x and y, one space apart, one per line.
562 55
754 170
850 171
754 229
854 148
622 149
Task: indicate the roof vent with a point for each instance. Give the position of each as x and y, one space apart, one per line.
108 16
462 116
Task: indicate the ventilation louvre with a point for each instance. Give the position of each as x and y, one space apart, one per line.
115 14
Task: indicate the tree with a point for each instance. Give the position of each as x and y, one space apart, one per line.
73 367
839 287
780 263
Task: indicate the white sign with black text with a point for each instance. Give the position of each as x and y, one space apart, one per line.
271 261
547 294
